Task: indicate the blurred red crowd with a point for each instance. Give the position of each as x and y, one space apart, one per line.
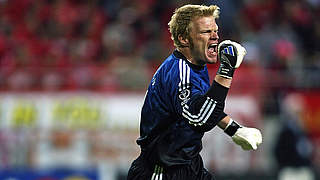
66 45
116 45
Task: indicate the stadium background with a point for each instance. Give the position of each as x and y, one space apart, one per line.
73 74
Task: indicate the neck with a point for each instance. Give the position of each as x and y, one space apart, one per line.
186 52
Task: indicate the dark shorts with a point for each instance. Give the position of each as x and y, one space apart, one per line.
141 170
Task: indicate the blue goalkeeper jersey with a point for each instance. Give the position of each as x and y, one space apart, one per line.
179 107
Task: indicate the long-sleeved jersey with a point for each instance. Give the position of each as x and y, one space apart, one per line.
180 105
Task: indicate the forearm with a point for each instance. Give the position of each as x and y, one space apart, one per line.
224 122
217 92
226 83
223 81
215 99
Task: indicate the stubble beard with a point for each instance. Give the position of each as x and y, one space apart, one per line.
191 47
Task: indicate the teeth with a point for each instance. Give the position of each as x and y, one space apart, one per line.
212 45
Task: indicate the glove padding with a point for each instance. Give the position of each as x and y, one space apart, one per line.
247 138
231 55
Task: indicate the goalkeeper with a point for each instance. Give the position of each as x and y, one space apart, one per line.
181 104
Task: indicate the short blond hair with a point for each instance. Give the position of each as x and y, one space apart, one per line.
180 20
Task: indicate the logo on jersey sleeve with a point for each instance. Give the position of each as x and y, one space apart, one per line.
184 96
184 84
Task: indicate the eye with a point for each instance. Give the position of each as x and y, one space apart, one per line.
206 32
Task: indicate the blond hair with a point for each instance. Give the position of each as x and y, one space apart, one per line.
180 20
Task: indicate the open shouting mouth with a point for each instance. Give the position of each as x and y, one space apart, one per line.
213 49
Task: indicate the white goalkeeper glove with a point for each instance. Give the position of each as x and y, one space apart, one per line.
247 138
231 55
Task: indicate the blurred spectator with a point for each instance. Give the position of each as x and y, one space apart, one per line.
293 148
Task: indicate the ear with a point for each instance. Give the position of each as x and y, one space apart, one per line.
183 41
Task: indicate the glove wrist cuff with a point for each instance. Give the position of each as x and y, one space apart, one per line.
225 71
232 128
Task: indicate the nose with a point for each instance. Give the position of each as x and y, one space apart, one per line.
214 35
